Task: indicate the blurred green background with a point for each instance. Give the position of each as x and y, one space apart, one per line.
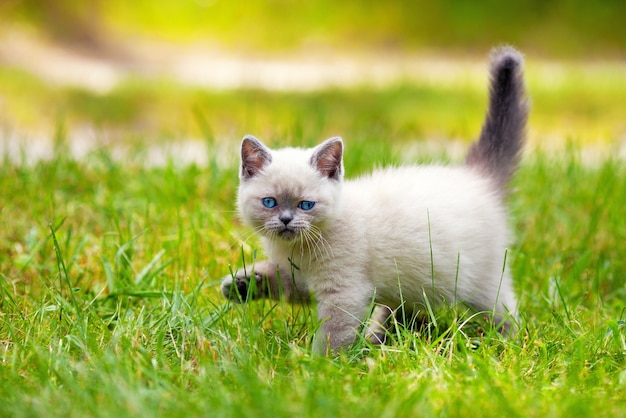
557 28
575 67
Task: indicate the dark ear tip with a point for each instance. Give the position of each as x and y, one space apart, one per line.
335 141
254 156
251 142
327 158
249 137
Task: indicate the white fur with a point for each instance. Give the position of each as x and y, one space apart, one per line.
394 236
399 236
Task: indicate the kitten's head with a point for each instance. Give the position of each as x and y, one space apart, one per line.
289 193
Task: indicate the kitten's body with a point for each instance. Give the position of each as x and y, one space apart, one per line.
396 236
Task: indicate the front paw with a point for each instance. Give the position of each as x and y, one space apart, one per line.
242 287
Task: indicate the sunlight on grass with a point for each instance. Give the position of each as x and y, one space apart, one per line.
118 312
567 103
113 241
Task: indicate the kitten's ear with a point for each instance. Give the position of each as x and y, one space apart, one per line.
254 156
327 158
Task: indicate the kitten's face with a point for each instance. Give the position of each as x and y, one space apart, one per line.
289 194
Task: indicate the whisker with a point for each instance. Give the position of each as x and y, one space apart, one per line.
321 241
311 245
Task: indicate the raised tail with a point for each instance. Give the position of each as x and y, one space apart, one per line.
498 149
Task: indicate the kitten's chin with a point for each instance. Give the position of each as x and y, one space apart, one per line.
285 234
288 234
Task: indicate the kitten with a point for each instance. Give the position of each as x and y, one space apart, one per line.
399 235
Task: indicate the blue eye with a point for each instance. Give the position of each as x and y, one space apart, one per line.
269 202
306 205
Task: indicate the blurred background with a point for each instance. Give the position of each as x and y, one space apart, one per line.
152 71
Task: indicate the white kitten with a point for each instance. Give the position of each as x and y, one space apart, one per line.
397 236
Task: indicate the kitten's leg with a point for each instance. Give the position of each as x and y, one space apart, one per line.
502 312
341 313
270 282
376 331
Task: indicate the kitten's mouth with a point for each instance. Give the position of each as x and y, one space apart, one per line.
287 233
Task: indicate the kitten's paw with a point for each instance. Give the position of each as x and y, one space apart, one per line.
239 289
376 336
376 332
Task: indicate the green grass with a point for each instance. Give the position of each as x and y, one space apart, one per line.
109 268
109 304
579 103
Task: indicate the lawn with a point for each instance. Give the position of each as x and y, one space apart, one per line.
110 264
109 272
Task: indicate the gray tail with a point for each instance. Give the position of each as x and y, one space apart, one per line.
498 149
